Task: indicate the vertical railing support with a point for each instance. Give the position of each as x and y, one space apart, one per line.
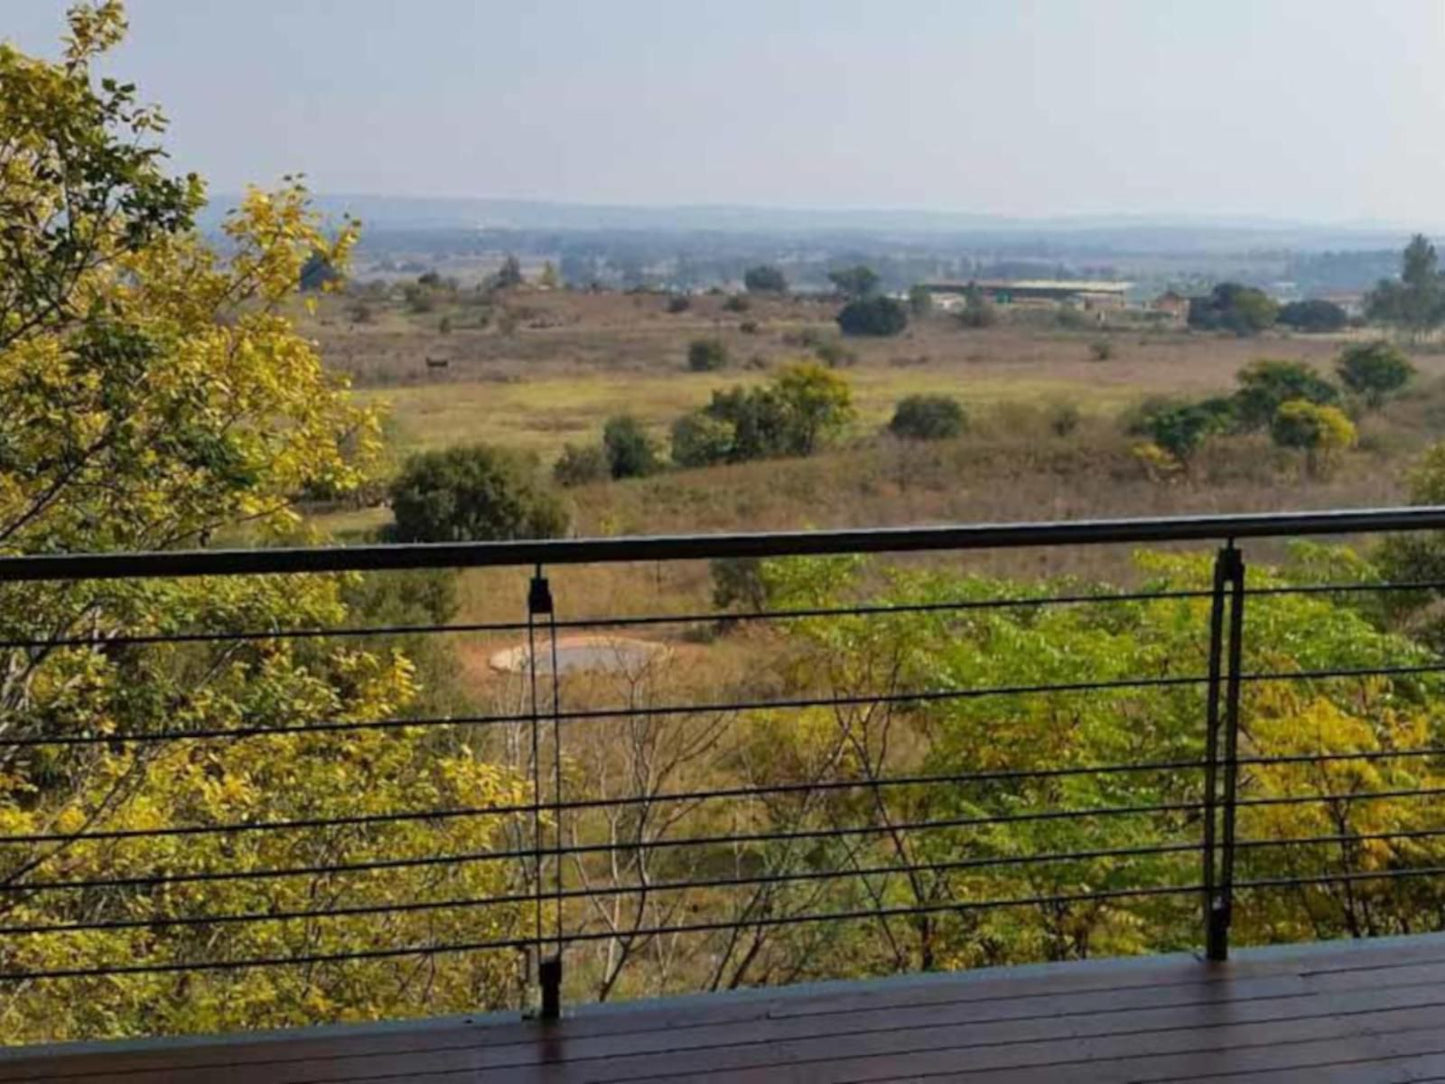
1221 747
549 968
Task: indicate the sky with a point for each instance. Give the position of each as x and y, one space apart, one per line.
1303 110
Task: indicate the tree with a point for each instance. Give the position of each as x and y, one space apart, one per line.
1320 431
549 279
707 355
928 417
473 493
510 273
802 408
1182 430
1265 385
1314 315
765 279
1374 370
1231 306
978 311
629 450
153 393
1416 301
875 315
817 404
920 300
700 440
854 282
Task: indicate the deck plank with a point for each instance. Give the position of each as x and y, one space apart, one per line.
1353 1013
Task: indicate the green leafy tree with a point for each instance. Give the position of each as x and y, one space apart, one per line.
817 405
978 311
1231 306
1374 371
510 273
1415 302
928 417
854 282
920 300
630 452
765 279
473 493
154 394
1322 432
1266 385
1182 430
701 439
880 316
707 355
1315 315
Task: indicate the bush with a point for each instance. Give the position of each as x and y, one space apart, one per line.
1064 419
738 581
581 464
873 316
978 311
1313 316
765 279
834 354
1231 306
1265 385
629 450
1321 431
700 440
475 493
737 303
920 301
1101 350
928 417
1374 370
748 327
679 303
707 355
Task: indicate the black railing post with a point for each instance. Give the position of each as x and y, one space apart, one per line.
549 968
1222 722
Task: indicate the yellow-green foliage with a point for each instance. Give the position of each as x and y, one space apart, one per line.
152 393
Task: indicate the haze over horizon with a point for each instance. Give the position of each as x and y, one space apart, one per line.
1284 111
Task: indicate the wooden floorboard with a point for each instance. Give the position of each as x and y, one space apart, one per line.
1352 1013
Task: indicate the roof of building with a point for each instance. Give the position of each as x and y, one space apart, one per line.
1080 286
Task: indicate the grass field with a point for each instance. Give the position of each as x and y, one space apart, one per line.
574 359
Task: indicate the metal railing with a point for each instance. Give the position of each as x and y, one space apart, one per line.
764 845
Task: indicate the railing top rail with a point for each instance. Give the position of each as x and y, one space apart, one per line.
81 566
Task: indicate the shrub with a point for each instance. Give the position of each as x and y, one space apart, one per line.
473 493
1374 370
873 316
1064 418
630 452
920 301
737 303
581 464
1265 385
1101 350
1181 429
977 311
1315 315
707 355
700 440
854 282
748 327
834 354
928 417
679 303
1321 431
738 581
765 279
1231 306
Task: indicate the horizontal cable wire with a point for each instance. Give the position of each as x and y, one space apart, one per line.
628 800
1328 758
1361 796
643 711
601 622
1362 837
483 811
1343 588
595 935
604 891
1332 878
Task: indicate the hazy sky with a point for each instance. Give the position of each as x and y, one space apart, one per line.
1300 109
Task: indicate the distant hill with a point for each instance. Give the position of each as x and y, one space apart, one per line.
1101 234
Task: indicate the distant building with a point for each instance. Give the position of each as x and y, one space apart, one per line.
1093 296
1172 306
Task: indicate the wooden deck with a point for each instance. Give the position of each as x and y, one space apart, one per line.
1337 1012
